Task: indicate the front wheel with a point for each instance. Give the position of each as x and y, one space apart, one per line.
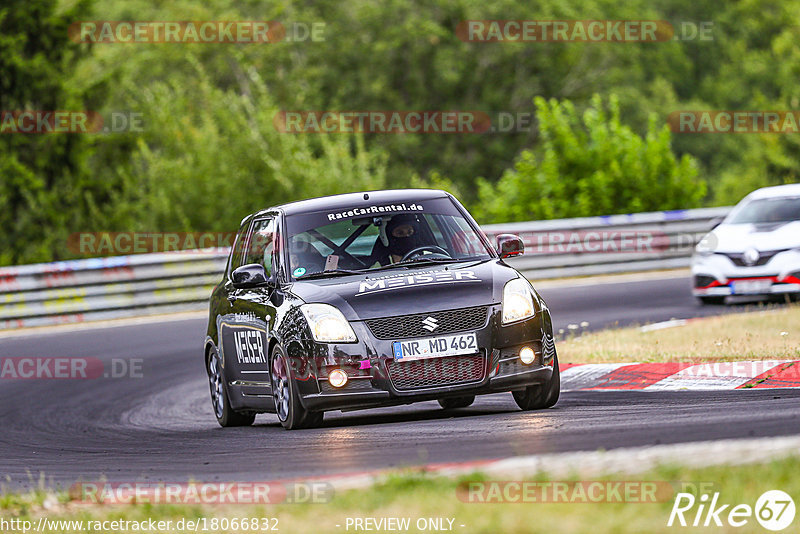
226 416
456 402
290 411
540 396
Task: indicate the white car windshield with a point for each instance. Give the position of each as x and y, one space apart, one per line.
768 210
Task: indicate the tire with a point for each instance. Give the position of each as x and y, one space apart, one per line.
711 301
456 402
540 396
288 408
220 401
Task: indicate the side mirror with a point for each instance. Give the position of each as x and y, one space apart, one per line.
509 245
250 275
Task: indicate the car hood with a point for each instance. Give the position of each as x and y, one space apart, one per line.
740 237
418 289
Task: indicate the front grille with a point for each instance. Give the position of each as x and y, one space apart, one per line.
447 322
764 257
703 281
358 384
513 367
435 372
510 363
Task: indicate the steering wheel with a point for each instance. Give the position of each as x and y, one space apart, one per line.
432 248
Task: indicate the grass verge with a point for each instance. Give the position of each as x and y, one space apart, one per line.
418 496
764 335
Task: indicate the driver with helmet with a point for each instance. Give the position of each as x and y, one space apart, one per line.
403 233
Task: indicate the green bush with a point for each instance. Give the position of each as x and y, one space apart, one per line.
590 164
209 152
207 156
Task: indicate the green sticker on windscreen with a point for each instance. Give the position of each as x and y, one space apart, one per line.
300 271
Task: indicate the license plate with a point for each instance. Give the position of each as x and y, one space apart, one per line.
751 287
435 347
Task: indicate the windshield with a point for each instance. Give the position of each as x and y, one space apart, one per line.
768 210
374 237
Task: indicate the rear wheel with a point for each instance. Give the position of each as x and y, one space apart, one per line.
540 396
290 411
456 402
220 402
711 301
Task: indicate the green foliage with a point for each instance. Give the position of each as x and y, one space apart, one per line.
209 152
207 156
588 164
40 173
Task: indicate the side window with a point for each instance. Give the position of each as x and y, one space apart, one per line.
261 244
237 252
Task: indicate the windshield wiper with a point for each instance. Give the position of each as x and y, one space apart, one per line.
420 261
428 260
385 267
332 272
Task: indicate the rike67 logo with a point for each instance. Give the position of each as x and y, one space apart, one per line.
774 510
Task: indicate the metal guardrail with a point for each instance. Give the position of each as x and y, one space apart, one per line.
107 288
609 244
123 286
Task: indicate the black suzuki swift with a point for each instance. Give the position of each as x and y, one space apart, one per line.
373 299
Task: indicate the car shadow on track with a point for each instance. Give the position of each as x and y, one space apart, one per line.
494 405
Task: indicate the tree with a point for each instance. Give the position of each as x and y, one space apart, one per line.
590 164
206 156
43 182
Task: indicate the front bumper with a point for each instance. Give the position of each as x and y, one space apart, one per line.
373 381
716 275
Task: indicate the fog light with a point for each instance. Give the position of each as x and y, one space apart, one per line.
527 356
337 378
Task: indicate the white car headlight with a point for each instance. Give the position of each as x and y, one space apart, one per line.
701 250
707 245
517 301
327 324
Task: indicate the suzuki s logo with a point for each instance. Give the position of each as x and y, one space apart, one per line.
430 324
751 256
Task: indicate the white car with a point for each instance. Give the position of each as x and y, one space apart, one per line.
754 251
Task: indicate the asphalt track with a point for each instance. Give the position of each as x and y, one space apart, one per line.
160 427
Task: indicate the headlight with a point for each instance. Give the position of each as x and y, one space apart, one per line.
327 324
707 245
702 250
517 301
